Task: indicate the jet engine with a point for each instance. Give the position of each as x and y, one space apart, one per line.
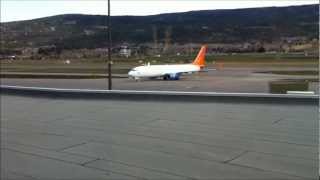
172 76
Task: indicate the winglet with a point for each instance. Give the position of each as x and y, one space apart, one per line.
200 59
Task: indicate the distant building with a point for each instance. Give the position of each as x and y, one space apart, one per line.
88 32
125 51
294 40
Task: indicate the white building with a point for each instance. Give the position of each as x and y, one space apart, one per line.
125 51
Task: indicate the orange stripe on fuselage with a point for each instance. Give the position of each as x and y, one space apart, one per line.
200 59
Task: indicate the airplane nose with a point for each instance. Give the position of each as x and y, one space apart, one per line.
130 73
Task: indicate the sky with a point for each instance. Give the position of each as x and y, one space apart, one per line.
14 10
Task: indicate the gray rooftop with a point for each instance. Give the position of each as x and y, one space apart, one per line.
46 138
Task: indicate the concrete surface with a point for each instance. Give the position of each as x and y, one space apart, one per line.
164 96
52 138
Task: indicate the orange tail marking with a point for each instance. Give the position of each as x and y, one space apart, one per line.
200 59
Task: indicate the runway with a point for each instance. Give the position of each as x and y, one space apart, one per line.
46 138
229 80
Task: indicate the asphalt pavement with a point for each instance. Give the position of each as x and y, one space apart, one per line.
229 80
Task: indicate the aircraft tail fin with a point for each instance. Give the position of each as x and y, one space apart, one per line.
200 59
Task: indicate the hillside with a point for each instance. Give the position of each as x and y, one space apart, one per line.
76 31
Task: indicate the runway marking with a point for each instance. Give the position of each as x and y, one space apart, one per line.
236 157
72 146
276 121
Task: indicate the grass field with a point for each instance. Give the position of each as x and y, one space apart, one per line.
123 65
282 87
316 73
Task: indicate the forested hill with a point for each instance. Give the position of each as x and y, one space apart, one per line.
209 26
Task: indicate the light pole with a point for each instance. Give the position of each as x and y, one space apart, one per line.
109 50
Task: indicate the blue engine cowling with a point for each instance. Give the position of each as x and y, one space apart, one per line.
173 76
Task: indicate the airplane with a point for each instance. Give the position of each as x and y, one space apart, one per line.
170 72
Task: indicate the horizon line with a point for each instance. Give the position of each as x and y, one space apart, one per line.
156 14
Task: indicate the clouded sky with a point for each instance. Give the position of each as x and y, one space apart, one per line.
13 10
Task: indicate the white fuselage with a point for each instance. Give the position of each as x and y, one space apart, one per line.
162 70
